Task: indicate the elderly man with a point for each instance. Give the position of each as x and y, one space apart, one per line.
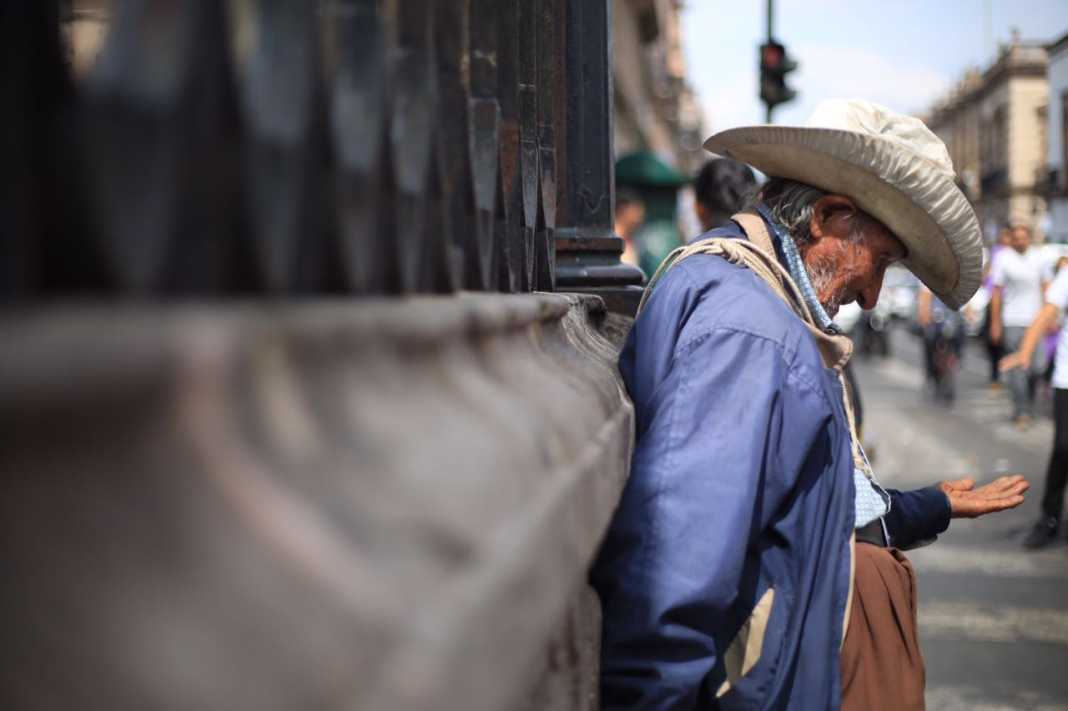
754 559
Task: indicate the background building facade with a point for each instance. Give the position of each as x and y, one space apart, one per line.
956 121
655 107
1057 160
994 125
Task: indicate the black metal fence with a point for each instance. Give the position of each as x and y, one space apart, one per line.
297 147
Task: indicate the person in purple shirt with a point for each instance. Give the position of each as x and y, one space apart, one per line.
754 559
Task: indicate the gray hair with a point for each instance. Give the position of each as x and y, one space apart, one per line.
792 204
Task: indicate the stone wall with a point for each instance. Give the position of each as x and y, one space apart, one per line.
387 504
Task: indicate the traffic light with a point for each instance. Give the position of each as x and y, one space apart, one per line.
775 64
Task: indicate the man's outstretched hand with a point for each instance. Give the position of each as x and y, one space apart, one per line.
965 501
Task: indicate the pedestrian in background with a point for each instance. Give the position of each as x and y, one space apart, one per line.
993 350
1049 342
721 189
1020 277
943 337
630 214
1056 301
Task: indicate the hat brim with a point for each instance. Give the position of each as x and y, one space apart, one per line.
918 202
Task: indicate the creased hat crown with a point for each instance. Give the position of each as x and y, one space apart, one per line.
869 118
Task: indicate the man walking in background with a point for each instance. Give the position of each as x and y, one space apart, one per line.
1046 528
1019 277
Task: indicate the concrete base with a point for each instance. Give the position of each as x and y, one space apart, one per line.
348 505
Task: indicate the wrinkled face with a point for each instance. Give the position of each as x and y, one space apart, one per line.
848 254
1021 239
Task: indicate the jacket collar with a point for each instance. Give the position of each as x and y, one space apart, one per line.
835 348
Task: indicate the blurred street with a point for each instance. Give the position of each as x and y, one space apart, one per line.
993 618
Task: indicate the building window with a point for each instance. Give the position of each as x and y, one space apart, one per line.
994 150
999 138
1064 140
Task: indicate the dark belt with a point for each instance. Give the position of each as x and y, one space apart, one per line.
872 533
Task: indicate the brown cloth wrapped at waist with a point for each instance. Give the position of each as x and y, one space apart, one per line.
882 668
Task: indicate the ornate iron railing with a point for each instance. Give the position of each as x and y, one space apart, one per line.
282 147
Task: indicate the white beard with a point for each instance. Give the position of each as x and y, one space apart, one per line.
821 277
822 274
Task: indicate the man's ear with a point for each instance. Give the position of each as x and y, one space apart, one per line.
832 216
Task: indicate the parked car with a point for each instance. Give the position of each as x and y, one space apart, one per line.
868 329
899 293
848 315
974 313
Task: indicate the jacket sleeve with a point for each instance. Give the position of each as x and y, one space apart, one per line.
916 517
725 437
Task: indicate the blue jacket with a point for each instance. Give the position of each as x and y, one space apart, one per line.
741 481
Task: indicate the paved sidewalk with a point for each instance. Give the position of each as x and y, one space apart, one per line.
993 618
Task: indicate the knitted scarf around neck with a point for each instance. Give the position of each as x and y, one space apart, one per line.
797 270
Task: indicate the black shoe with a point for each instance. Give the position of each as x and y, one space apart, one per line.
1044 533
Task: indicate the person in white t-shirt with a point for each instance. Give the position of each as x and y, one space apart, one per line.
1019 277
1045 529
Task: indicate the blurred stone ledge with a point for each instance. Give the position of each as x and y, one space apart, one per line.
359 505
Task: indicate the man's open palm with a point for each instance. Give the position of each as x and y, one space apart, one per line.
965 501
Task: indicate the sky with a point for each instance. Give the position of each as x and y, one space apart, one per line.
904 54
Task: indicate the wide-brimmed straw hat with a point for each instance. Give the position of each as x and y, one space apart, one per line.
893 167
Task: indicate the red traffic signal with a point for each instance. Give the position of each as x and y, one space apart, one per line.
774 65
771 55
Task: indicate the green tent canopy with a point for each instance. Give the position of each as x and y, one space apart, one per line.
657 184
644 169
